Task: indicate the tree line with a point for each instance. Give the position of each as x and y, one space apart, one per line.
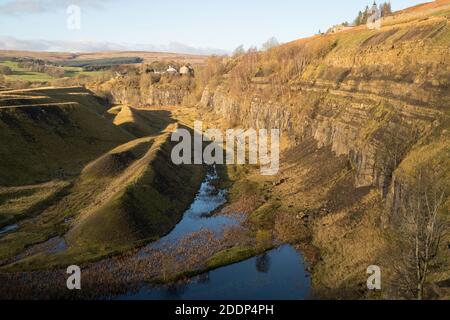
382 10
42 67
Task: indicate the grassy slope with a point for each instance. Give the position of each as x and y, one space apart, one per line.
52 140
19 202
140 122
131 195
64 56
121 198
19 74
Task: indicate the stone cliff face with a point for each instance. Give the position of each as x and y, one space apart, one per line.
134 91
362 110
151 96
375 90
350 124
376 105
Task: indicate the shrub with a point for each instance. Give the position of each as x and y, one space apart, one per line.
263 240
5 70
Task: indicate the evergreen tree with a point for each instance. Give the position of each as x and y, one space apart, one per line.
366 15
358 19
239 51
386 9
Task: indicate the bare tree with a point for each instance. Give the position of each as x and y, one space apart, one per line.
269 44
239 51
422 229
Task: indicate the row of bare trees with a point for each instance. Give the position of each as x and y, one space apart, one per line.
421 228
417 210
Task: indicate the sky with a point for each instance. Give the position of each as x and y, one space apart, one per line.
192 26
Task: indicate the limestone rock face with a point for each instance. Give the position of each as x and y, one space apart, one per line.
131 91
349 128
384 90
150 96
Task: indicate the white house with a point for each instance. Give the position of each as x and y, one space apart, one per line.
172 70
186 70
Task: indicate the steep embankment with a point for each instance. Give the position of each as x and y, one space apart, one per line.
140 122
141 90
106 182
140 194
364 110
51 133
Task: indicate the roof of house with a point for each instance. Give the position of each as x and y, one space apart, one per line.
185 69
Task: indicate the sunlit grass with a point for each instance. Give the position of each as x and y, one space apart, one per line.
20 74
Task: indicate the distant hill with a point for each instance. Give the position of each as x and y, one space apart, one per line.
148 57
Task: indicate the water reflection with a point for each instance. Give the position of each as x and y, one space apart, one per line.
197 217
10 228
278 275
263 263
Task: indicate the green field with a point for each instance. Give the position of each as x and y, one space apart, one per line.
19 74
77 71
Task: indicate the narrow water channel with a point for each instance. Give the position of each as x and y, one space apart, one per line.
198 216
7 229
277 275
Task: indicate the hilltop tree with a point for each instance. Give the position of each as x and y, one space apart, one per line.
252 49
366 15
359 18
269 44
384 10
239 51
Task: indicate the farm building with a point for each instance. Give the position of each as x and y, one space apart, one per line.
186 70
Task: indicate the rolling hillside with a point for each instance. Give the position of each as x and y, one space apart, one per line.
365 121
65 56
51 133
71 169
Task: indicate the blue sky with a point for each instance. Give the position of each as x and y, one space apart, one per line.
221 24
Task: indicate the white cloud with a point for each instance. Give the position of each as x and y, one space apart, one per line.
21 7
11 43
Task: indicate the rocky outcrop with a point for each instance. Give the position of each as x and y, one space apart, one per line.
133 90
364 111
350 126
383 92
150 96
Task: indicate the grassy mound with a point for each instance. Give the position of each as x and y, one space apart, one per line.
230 256
69 171
42 142
19 202
129 195
142 201
140 122
117 160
